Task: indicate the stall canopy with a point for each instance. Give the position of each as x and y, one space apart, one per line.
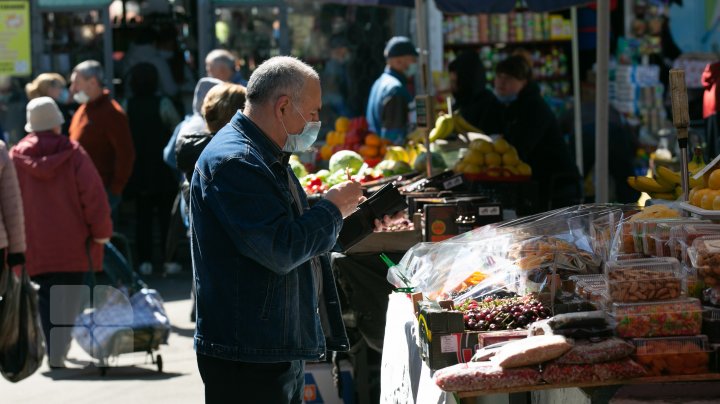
72 4
473 6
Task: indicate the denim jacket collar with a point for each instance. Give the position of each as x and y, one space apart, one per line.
271 153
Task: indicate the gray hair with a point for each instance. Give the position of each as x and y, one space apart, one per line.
277 76
221 56
89 69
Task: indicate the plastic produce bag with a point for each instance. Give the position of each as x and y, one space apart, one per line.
531 351
484 376
616 370
586 352
23 356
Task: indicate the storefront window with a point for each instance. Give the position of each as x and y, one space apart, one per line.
343 43
70 38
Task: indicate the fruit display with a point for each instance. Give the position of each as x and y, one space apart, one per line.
658 319
447 124
665 183
493 160
494 314
298 168
673 356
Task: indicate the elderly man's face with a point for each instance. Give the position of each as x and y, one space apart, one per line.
220 71
80 83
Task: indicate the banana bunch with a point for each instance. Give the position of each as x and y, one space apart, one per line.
665 184
443 127
413 150
463 126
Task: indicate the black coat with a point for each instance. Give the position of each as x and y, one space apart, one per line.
530 125
188 147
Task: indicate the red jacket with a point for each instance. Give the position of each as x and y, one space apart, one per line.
710 77
102 128
64 202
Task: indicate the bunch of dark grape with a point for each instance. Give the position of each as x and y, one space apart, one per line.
502 314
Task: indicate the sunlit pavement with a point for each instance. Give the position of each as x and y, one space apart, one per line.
131 378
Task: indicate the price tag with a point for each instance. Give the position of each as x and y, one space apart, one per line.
453 181
448 343
489 211
423 111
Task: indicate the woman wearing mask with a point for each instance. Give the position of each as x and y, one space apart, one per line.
65 208
527 122
54 86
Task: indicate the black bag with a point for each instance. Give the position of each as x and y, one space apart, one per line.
21 357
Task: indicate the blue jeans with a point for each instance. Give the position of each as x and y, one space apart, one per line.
230 381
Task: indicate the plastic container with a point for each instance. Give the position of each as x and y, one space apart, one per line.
711 323
641 280
682 236
705 256
657 319
645 230
633 256
658 244
674 355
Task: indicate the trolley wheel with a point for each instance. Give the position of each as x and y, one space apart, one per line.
159 362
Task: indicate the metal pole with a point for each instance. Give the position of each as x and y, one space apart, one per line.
425 86
37 44
205 32
284 31
108 50
577 101
601 106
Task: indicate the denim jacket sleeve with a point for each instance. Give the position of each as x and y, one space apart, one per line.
250 204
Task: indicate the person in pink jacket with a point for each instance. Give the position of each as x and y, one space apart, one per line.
12 227
65 206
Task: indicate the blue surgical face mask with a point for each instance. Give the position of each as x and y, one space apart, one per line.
297 142
411 70
505 99
64 96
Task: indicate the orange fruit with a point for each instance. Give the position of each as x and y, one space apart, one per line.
342 124
368 151
708 199
372 140
716 203
326 151
698 196
714 180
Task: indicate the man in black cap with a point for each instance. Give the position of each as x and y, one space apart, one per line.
388 104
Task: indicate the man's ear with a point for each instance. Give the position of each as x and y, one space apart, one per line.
282 103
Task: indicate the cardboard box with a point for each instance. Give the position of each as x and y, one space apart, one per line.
319 386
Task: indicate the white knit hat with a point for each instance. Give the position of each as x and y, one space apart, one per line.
42 114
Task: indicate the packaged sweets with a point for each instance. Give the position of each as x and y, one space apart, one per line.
659 230
657 319
531 351
644 280
615 370
674 355
484 376
682 236
588 352
705 256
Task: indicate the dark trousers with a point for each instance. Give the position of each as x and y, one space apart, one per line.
150 206
243 382
62 297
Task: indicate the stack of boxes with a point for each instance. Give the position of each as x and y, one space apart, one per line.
512 27
636 91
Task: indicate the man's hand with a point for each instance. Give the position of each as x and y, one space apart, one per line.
346 196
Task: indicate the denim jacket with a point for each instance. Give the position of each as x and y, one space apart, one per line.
251 250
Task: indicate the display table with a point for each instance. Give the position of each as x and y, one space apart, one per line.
405 378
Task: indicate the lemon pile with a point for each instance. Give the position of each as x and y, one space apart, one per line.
496 159
708 197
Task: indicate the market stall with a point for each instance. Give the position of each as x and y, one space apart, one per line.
587 296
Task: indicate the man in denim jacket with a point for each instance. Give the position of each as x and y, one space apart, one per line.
266 298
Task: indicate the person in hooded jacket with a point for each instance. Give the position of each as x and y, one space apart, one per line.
12 227
67 220
526 121
221 103
469 88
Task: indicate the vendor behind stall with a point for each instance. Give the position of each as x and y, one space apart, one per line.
528 123
469 88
